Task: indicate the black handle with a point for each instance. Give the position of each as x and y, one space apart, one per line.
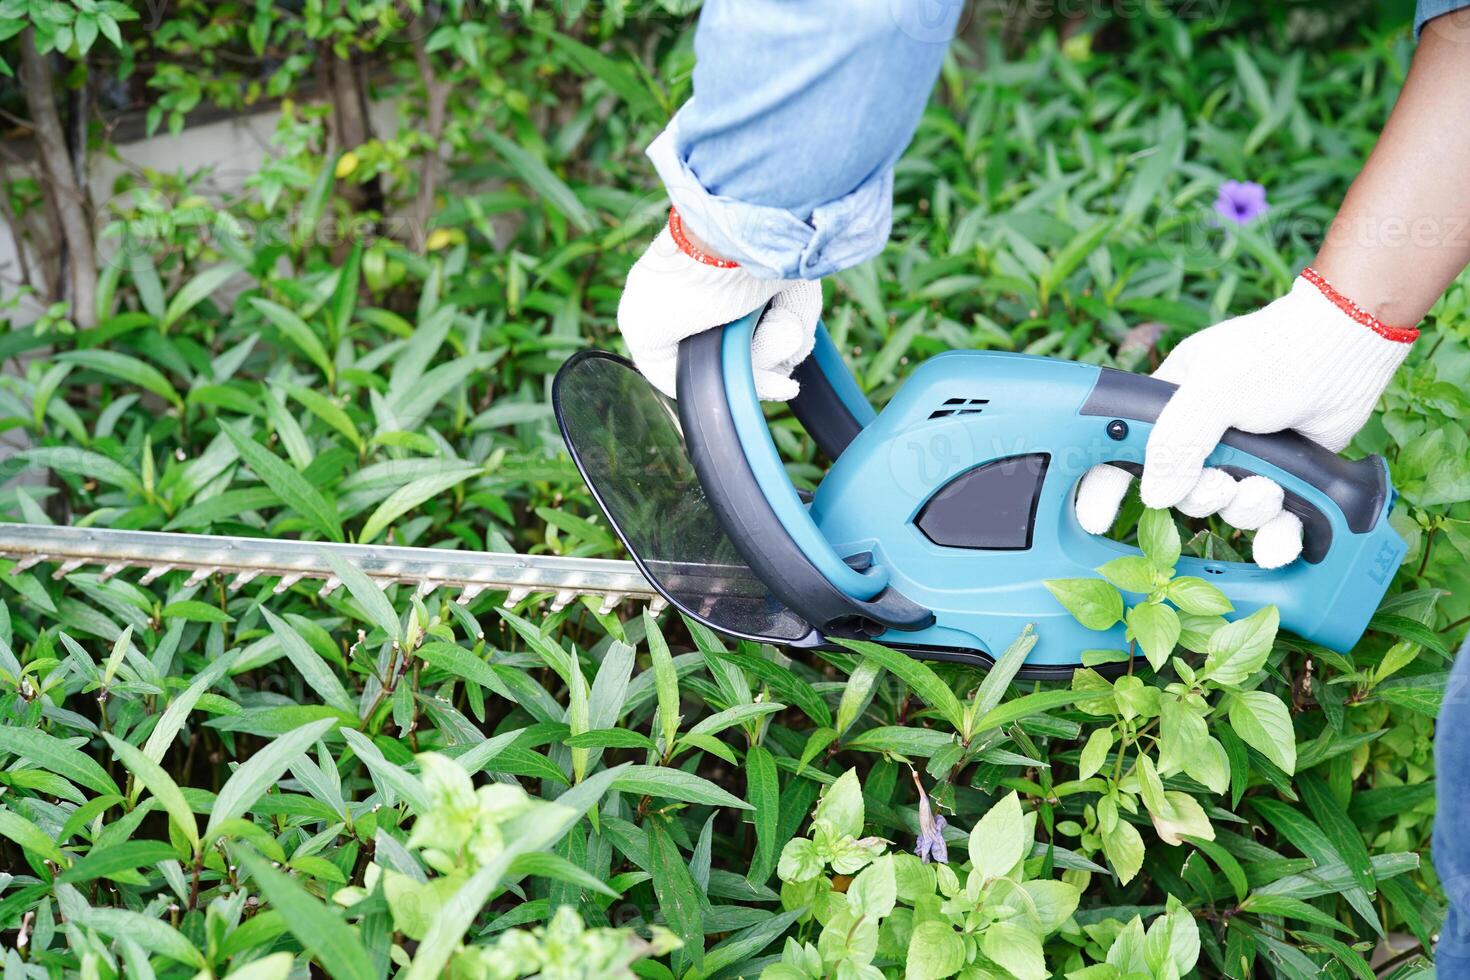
1359 488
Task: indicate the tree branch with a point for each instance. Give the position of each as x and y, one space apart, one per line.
63 190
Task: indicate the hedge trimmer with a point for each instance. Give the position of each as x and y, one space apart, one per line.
936 528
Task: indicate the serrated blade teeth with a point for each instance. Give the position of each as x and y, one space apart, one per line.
199 575
242 579
150 576
287 580
283 563
67 567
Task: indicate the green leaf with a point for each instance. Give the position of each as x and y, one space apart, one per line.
261 771
675 784
545 864
1095 753
288 484
30 837
678 896
160 784
320 930
299 332
1344 835
366 592
53 754
1226 862
609 738
665 680
1263 722
1196 596
125 367
309 664
195 291
763 790
738 715
1017 949
125 856
411 495
999 678
84 463
1123 846
154 935
1404 628
1156 628
1237 650
935 951
1291 908
857 693
536 175
325 409
842 805
1032 704
874 891
746 943
1092 602
998 841
617 76
918 676
195 611
344 297
1131 573
789 687
178 709
1071 256
1158 536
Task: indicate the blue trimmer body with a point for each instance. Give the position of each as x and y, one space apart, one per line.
941 516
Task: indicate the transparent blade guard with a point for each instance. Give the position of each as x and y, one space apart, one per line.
625 439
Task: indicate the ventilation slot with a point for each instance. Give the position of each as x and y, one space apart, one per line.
960 406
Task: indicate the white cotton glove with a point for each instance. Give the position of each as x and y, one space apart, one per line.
675 291
1310 361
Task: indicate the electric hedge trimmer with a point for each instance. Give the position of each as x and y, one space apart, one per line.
934 529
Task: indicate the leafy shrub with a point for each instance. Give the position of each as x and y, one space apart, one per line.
242 781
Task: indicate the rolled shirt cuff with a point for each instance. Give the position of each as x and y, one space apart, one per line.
1427 10
772 242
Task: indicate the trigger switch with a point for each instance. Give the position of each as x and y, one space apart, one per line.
1117 430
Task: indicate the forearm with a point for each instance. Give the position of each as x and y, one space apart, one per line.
1403 232
783 158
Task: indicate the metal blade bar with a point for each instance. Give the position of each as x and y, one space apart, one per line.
472 573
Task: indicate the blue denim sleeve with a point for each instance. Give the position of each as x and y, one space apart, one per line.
1427 10
783 158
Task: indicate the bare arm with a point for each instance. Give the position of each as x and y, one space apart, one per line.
1403 232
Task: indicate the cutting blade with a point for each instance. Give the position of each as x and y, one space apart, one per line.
288 562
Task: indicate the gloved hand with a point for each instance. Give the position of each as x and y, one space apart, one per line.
676 290
1310 361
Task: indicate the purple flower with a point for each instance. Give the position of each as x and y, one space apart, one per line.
930 845
1241 201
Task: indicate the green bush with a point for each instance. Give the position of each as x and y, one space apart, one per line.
199 780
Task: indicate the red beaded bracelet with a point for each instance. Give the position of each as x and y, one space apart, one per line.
676 230
1405 335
